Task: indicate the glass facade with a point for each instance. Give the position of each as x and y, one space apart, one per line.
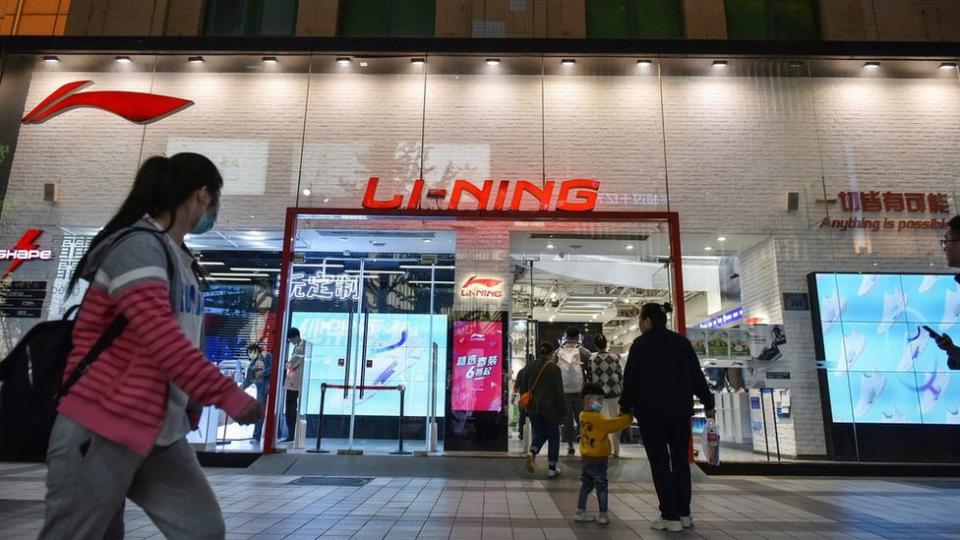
779 169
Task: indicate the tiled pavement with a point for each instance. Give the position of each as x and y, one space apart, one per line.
265 506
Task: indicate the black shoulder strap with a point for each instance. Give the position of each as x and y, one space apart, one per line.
117 326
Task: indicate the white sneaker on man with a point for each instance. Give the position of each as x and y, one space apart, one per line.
603 519
666 525
583 516
686 521
553 472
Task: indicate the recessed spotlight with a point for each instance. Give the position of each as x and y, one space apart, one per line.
708 248
418 61
719 64
343 238
550 246
270 60
552 318
629 247
795 64
721 239
644 63
364 64
326 199
427 241
947 65
568 61
123 59
307 192
595 316
875 264
51 59
871 65
195 60
493 61
343 61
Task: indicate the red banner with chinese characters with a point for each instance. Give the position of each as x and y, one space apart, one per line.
477 366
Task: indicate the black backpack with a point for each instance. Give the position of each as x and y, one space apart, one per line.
30 375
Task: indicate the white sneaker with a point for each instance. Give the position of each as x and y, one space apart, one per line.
554 472
583 516
602 519
686 521
665 525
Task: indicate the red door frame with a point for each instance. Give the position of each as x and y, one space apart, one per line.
673 231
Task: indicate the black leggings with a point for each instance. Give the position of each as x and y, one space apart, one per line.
290 411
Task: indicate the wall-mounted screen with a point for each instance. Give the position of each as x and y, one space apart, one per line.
881 365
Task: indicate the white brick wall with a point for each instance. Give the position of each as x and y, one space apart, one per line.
727 151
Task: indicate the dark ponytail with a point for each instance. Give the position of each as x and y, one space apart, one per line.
162 184
600 341
656 313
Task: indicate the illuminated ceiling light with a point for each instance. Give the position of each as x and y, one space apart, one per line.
871 65
427 240
123 59
947 65
550 246
795 64
493 61
343 61
51 59
211 263
634 327
719 64
553 296
568 61
307 192
196 60
270 60
721 239
644 63
418 61
343 238
326 199
629 247
364 64
708 248
552 318
594 316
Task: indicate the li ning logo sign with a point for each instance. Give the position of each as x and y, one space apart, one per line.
574 195
481 287
137 107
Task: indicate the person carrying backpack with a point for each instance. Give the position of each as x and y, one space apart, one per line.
121 430
574 361
606 372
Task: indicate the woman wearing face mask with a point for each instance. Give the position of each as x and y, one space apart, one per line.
122 428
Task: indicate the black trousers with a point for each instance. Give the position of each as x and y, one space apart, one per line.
667 445
290 412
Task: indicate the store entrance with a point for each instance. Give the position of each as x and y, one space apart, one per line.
370 307
415 323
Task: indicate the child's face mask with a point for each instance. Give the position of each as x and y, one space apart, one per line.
596 406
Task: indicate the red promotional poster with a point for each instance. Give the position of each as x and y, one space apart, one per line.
477 366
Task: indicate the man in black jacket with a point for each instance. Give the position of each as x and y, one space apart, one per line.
662 375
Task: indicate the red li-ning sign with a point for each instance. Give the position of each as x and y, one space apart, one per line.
573 195
481 287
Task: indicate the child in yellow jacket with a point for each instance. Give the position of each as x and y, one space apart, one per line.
595 430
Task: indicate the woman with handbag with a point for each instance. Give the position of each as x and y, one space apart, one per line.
541 395
121 430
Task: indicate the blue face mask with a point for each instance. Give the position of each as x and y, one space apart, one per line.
596 406
207 220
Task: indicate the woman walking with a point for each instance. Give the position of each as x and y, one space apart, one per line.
547 409
122 428
605 371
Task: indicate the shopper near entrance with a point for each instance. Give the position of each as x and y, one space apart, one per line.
596 430
294 381
605 371
574 361
121 431
547 407
258 375
662 375
951 247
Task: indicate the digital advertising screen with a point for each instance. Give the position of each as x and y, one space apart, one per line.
881 365
398 352
477 381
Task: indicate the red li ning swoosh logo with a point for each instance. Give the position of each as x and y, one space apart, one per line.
137 107
484 282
